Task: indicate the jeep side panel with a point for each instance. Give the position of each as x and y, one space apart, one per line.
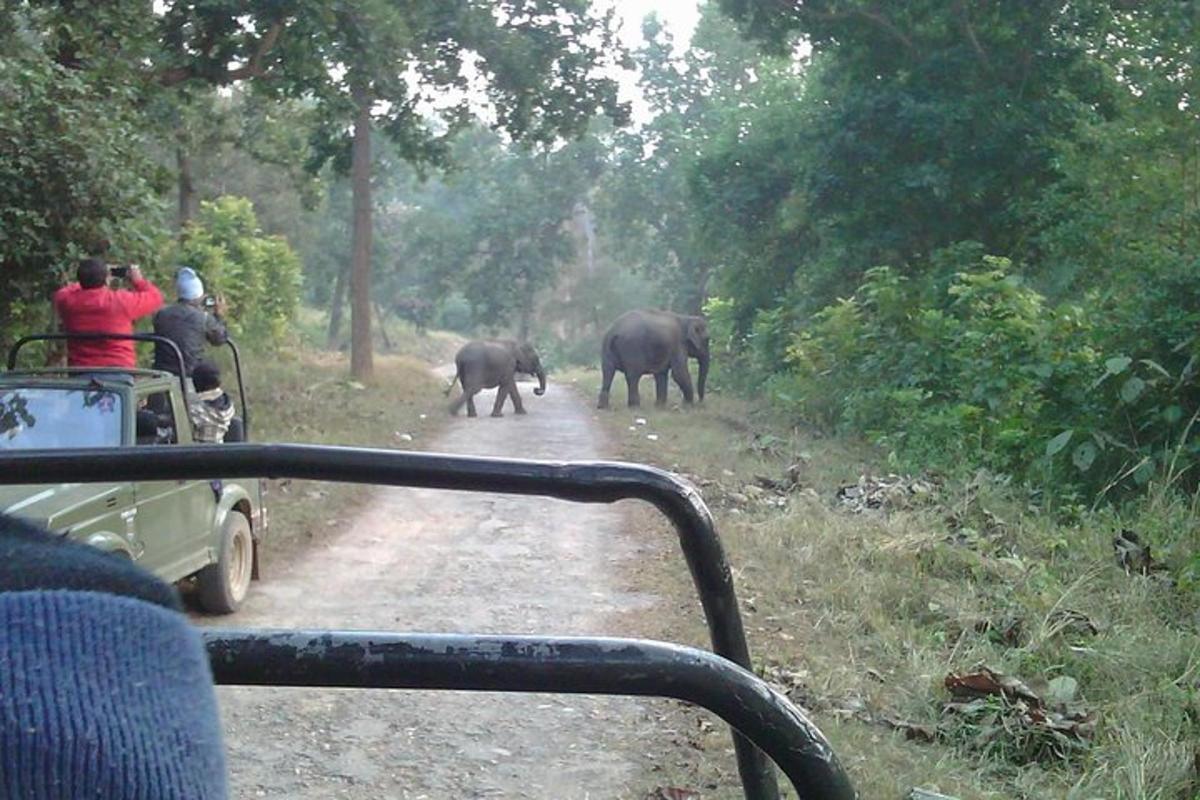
176 519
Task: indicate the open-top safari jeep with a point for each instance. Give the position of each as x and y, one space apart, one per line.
208 530
766 725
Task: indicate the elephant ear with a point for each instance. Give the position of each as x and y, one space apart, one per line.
526 355
697 334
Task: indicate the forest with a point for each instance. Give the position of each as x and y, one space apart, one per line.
964 234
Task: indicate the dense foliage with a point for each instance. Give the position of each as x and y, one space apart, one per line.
965 232
968 232
102 97
258 275
923 239
72 174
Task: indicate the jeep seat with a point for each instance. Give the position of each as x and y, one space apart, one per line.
147 427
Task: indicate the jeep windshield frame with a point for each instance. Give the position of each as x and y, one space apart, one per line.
83 416
14 351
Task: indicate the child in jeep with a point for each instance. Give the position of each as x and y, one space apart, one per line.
210 407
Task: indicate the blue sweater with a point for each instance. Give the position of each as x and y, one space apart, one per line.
105 690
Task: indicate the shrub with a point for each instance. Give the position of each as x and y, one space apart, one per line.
455 313
259 276
980 371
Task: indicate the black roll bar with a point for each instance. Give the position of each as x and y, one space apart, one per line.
237 368
568 665
586 482
139 337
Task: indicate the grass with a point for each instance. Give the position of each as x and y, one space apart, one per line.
862 616
305 395
433 347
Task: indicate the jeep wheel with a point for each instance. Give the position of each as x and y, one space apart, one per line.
223 586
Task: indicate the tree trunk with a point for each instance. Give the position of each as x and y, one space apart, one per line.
525 322
187 187
696 294
381 318
361 360
335 309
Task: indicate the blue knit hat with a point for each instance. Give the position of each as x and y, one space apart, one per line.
189 284
105 688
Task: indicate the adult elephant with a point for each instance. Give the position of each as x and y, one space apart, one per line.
490 364
656 343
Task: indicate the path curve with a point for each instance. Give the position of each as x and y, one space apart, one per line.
440 561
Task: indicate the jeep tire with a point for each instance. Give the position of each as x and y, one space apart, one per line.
223 586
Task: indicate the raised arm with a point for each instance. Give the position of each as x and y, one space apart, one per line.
144 298
214 326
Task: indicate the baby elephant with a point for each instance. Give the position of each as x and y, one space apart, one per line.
488 364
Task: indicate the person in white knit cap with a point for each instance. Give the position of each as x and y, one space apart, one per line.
188 324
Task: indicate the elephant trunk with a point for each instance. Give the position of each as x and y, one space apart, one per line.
541 376
703 377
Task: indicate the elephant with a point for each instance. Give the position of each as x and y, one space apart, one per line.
658 343
494 363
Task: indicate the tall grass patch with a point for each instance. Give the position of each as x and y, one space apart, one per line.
861 617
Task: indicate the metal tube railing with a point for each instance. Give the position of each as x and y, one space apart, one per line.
589 482
572 665
14 352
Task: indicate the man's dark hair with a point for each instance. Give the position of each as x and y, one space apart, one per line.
206 375
92 273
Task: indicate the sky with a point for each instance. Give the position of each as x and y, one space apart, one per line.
680 17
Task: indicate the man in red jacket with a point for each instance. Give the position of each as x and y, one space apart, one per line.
89 306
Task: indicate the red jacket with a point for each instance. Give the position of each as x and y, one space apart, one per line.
104 310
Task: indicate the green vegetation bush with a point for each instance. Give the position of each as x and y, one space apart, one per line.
258 275
72 175
454 313
977 370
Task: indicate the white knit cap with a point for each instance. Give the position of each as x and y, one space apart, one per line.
189 284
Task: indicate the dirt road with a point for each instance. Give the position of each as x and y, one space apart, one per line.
455 562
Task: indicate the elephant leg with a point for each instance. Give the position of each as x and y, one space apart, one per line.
609 372
471 404
518 407
660 388
501 394
632 381
679 372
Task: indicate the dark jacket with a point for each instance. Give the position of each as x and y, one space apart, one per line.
189 327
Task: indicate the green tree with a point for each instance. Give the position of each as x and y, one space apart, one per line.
924 135
386 68
73 175
259 275
918 125
495 228
645 201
